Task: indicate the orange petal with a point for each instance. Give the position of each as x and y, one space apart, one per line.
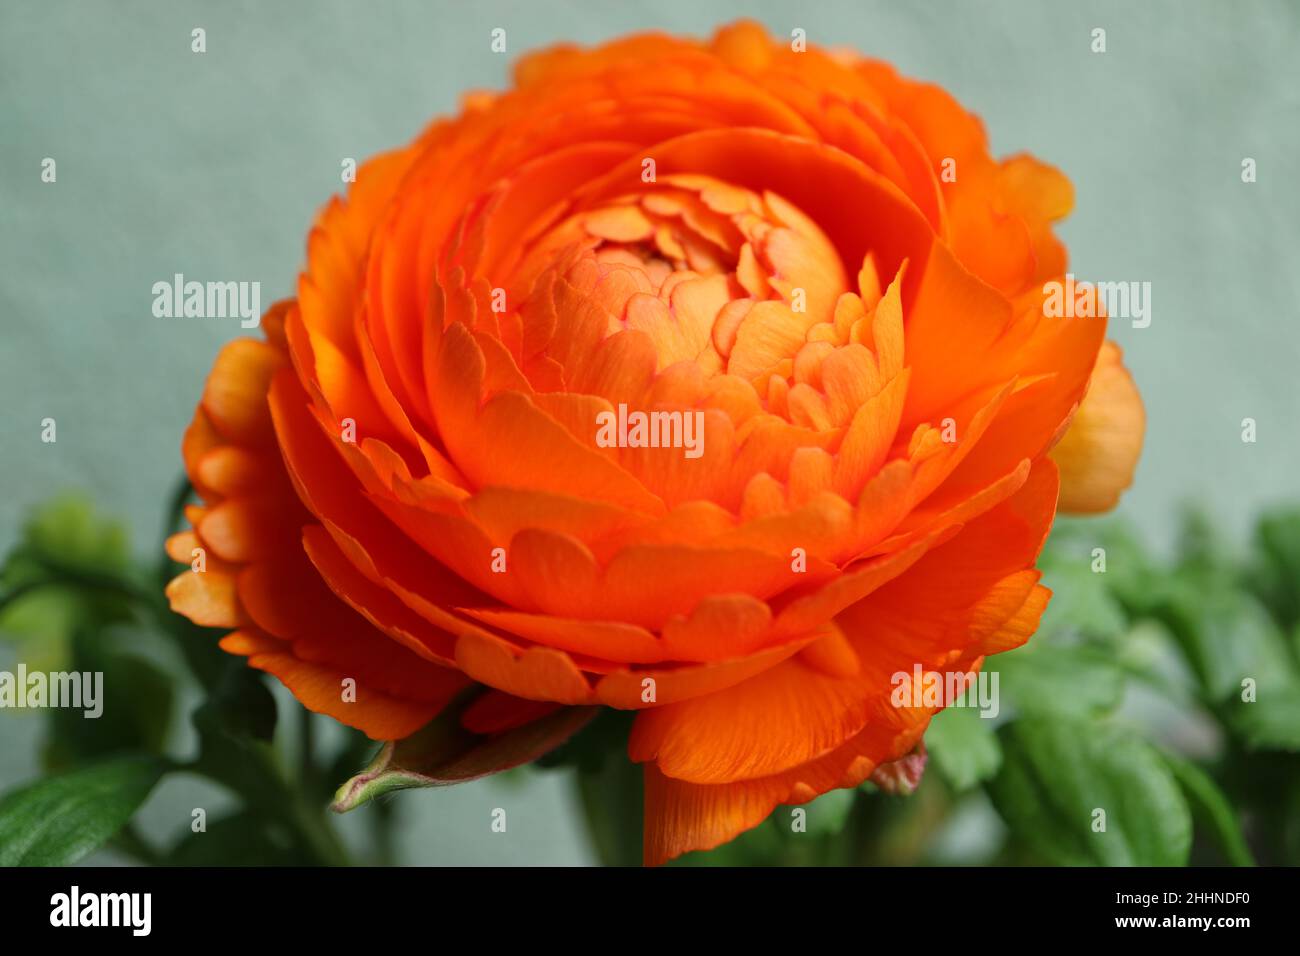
318 687
206 597
235 395
539 673
681 817
781 718
1099 452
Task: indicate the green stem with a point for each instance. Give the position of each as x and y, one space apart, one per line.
309 823
316 833
382 823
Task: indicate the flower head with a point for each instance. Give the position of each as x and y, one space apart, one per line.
804 278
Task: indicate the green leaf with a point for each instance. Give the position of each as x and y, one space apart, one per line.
1276 576
1211 809
1082 602
1056 773
136 704
1129 582
1059 679
1270 722
1151 654
963 746
235 727
137 708
1228 636
443 753
61 819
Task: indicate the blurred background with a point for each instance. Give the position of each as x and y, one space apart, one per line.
214 165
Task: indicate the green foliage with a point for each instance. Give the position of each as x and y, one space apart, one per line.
1211 809
1162 693
58 820
1084 793
68 591
67 533
1052 680
72 599
69 571
138 701
963 747
1275 574
1204 635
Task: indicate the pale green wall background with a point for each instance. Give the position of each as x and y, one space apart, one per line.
213 165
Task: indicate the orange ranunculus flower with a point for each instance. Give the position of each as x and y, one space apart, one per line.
403 482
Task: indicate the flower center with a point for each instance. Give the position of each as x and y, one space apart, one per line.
730 282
